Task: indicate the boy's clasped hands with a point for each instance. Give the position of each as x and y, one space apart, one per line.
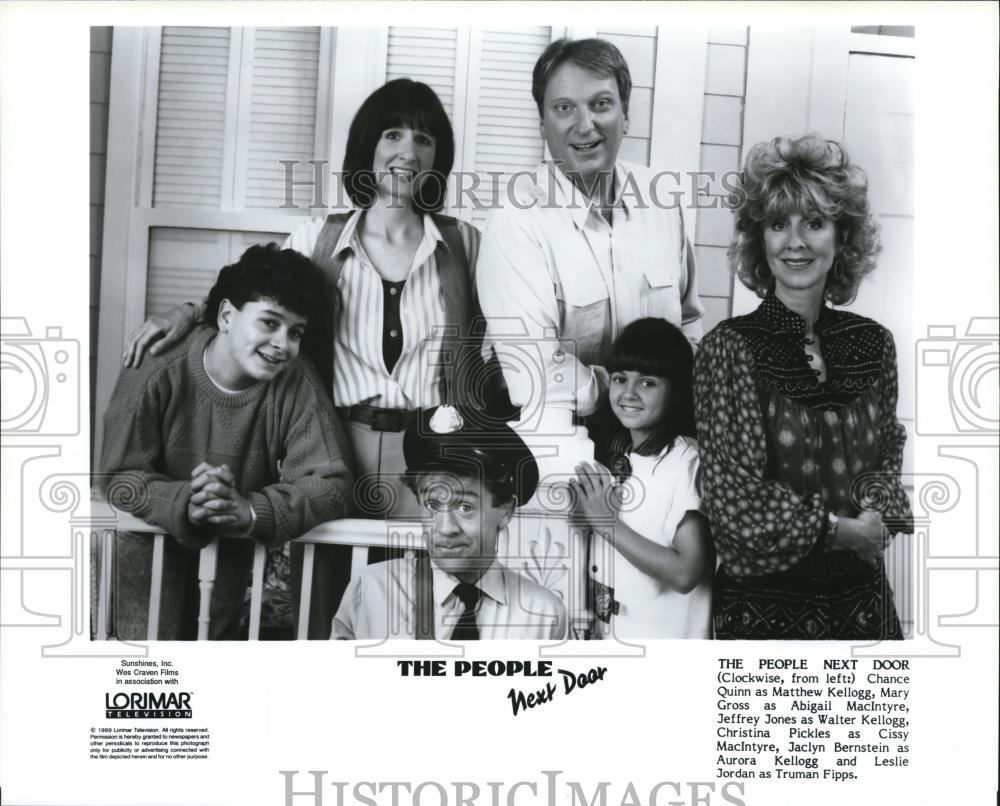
215 499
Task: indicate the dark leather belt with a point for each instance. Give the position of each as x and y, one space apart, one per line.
378 419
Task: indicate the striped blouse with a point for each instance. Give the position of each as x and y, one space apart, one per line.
360 374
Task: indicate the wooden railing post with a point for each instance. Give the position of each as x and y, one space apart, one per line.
360 535
208 562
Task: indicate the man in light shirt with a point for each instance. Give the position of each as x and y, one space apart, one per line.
469 473
586 245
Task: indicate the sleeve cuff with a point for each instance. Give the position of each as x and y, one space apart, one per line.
828 536
588 396
263 528
182 530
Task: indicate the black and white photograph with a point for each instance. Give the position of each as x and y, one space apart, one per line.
571 229
421 322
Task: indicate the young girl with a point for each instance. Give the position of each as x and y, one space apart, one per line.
651 574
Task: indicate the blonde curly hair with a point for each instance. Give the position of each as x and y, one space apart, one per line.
810 175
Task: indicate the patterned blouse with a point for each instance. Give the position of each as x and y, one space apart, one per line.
780 449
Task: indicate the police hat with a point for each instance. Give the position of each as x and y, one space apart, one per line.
457 439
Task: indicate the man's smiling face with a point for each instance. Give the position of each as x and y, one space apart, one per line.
583 121
462 523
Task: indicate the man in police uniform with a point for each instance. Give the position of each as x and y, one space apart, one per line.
469 474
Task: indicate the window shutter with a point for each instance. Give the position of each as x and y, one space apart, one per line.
503 126
231 103
183 263
191 117
282 114
428 55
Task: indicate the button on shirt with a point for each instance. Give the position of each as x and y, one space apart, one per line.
555 274
381 603
361 373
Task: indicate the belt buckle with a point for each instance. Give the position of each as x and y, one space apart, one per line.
385 420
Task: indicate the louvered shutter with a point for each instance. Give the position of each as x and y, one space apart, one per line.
503 133
231 103
191 117
428 55
282 115
183 263
484 81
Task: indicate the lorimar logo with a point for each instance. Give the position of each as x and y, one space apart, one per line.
147 705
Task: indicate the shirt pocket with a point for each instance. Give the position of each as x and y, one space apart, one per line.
584 315
660 295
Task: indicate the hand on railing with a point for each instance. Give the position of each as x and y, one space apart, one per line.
215 500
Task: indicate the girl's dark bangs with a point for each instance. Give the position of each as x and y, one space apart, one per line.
619 361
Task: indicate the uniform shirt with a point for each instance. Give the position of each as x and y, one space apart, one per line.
381 603
557 278
360 374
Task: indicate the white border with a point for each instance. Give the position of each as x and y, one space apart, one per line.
308 706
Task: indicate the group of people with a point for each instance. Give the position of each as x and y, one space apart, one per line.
367 368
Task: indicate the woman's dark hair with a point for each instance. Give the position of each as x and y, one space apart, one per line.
656 347
596 55
267 272
399 104
808 175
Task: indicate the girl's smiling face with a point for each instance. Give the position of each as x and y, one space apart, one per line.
639 402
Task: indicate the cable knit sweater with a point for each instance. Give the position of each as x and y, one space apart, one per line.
282 440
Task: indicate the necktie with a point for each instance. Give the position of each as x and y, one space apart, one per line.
466 629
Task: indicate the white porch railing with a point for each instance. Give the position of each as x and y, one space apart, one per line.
542 545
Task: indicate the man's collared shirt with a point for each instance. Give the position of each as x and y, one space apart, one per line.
555 273
381 603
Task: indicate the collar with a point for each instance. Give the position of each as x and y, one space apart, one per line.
490 583
349 235
782 319
196 346
579 206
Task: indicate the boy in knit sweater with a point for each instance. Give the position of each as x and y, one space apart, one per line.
229 434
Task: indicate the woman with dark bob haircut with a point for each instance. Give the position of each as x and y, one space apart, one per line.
795 406
402 336
400 104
